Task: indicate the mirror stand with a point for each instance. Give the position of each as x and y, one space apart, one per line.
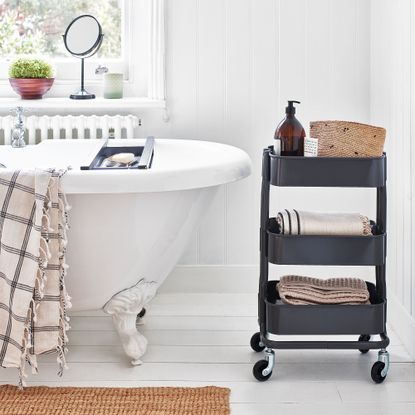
82 93
82 39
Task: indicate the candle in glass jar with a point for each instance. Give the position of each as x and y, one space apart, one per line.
113 85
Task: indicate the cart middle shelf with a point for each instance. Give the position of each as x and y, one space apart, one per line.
324 250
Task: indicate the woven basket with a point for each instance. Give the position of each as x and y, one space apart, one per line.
347 139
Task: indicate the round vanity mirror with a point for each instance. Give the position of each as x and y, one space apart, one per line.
83 38
83 35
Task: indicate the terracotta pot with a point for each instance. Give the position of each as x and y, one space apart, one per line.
31 88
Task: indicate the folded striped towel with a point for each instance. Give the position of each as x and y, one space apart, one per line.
296 222
296 289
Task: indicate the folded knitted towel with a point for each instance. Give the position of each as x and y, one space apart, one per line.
296 222
295 289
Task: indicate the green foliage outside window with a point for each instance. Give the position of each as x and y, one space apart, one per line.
37 26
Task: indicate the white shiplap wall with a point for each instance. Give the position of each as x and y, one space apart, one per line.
393 104
231 66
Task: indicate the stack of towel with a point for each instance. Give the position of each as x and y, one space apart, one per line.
293 222
295 289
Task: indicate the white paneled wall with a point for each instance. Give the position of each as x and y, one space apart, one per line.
393 104
231 66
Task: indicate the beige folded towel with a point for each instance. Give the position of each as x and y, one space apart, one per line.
296 222
295 289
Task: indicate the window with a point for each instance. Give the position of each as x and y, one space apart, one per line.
36 27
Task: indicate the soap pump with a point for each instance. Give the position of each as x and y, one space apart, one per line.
291 133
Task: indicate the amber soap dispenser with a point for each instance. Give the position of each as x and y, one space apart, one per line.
291 133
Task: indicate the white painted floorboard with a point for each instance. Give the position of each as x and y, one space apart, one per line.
203 339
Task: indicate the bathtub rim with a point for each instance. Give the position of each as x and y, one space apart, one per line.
226 164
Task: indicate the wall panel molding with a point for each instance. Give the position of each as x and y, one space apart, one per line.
231 66
392 106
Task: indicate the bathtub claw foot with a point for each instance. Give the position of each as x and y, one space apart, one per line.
124 308
140 321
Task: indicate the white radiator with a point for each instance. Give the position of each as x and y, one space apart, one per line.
39 128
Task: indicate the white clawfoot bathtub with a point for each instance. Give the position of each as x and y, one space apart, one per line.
129 228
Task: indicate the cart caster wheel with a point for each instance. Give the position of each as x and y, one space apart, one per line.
376 372
142 313
364 338
381 367
258 370
256 344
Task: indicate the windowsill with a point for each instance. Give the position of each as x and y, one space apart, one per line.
71 105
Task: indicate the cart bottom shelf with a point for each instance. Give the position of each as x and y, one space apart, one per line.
324 319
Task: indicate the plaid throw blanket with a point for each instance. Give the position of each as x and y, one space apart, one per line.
33 298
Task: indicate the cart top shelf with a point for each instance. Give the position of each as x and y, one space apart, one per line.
326 171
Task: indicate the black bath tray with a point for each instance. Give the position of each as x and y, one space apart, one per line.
144 153
327 171
324 319
324 250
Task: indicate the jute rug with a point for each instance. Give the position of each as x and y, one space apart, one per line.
114 401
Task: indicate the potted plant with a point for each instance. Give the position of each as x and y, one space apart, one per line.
31 78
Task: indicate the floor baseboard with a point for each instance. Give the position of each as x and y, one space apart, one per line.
402 323
238 279
242 279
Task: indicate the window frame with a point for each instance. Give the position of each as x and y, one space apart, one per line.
142 60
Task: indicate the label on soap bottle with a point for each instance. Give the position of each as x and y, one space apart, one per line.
310 147
277 147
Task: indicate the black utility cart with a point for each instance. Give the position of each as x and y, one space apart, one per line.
277 318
